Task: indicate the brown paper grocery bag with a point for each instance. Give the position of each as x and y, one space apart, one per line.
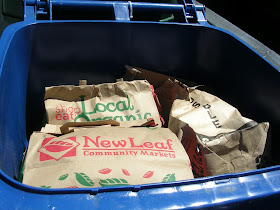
105 156
230 142
167 93
236 151
120 101
167 88
156 79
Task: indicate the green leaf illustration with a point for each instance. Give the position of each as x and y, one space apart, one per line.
112 182
169 178
47 187
63 177
84 179
152 128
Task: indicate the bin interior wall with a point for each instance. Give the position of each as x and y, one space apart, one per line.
13 82
64 53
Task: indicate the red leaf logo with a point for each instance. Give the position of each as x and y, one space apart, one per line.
72 187
53 148
105 171
148 174
58 146
125 172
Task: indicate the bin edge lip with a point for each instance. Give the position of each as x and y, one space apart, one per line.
134 188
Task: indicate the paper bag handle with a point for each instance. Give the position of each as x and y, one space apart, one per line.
65 128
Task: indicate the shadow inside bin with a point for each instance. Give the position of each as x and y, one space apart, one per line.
49 54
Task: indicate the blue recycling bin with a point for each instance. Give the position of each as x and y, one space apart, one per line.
48 48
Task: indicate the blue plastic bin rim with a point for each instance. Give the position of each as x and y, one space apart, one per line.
5 41
135 188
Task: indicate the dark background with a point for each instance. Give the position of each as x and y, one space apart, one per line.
260 19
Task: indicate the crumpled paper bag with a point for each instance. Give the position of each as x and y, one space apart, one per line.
227 141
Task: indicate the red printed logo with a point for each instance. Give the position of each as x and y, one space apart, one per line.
56 149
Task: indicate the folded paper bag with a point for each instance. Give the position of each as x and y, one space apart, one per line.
167 88
105 156
120 101
156 79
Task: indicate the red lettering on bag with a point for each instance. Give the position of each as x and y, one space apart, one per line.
169 144
92 141
58 117
120 143
132 142
105 143
161 145
148 144
99 144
